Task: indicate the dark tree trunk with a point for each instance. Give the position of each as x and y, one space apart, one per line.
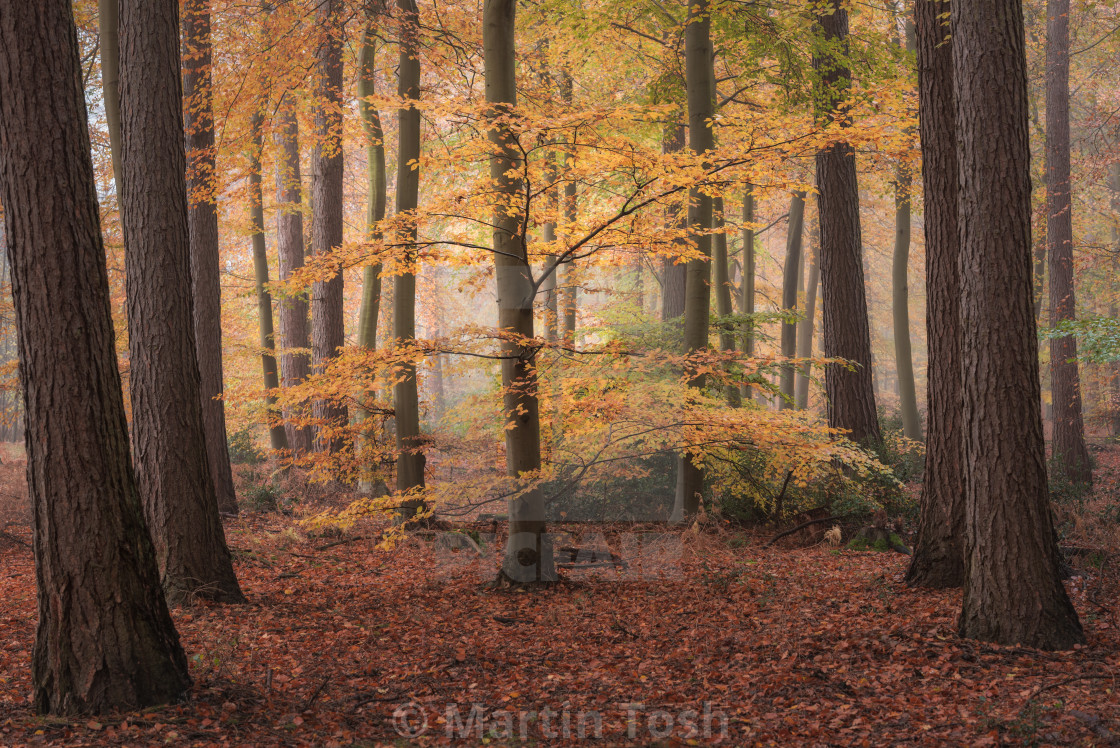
168 435
791 279
105 641
673 273
202 219
278 437
1013 593
295 365
851 397
938 559
528 554
1068 447
327 320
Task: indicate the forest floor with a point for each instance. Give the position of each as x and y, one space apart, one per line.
707 638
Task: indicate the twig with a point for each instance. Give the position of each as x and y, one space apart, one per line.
315 695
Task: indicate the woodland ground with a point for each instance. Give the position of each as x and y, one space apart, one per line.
810 646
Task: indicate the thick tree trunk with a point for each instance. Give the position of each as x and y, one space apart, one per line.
168 434
295 363
202 220
806 328
791 279
278 438
938 559
105 641
1070 456
327 319
410 454
722 273
528 555
699 82
1013 593
851 397
375 213
673 273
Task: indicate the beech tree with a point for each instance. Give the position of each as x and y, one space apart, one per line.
851 396
790 281
104 641
1013 592
938 559
1071 457
169 440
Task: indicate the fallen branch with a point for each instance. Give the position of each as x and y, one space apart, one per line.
802 526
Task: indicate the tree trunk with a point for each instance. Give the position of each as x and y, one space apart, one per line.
851 397
569 280
1070 456
722 274
278 438
746 290
1114 310
805 333
375 213
528 555
1013 593
699 81
791 279
202 220
110 82
168 434
900 286
105 641
673 272
327 319
295 365
410 454
938 559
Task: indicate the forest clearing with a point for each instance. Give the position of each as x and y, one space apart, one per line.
549 372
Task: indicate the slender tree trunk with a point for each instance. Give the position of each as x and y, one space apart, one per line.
673 272
938 559
528 555
699 81
375 213
790 281
410 455
1013 593
1070 456
722 273
105 641
327 319
900 286
278 438
805 331
202 219
111 81
168 433
569 279
1114 311
295 364
851 397
746 290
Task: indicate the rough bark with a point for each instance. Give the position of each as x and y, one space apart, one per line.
939 545
277 436
105 641
169 439
806 327
1013 593
406 405
327 318
699 82
295 363
851 397
790 281
202 220
1068 450
528 554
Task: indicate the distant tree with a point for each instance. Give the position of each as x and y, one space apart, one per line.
168 436
851 396
938 559
1071 457
1013 592
791 277
105 641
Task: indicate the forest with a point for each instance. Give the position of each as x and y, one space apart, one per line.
559 372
